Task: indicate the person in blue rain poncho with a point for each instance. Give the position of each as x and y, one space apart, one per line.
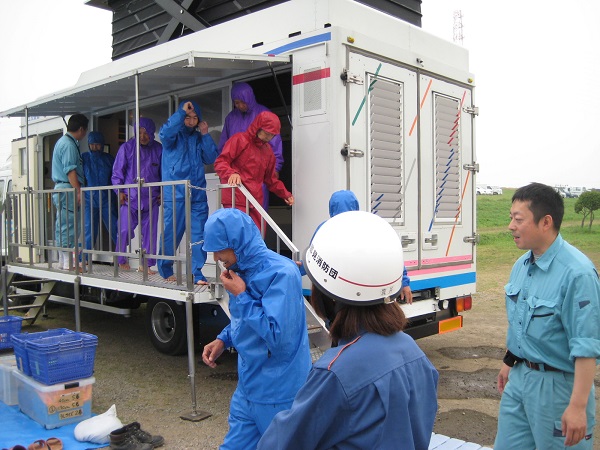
376 389
268 325
245 109
125 172
67 173
553 339
343 201
99 205
187 147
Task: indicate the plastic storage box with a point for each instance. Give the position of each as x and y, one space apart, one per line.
9 325
56 405
8 382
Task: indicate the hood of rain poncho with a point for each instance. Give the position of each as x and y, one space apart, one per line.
243 92
231 228
342 201
197 110
267 121
148 125
95 137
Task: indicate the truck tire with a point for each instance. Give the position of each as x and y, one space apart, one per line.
166 325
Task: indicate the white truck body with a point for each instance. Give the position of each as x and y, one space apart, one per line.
377 106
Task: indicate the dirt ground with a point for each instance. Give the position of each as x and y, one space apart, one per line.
154 389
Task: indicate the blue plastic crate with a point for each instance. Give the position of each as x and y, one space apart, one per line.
9 325
62 358
20 341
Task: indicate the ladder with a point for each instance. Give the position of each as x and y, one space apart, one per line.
40 289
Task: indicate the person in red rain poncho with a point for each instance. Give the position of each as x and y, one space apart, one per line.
248 159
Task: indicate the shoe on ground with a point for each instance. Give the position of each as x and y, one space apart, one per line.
124 439
144 436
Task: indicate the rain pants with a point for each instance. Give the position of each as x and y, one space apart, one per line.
185 153
125 172
553 311
254 161
372 392
97 167
237 121
65 158
268 327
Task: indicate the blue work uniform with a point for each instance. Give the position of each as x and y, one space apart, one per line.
66 158
372 392
98 168
185 152
268 328
553 309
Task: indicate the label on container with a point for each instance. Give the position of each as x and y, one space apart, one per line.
70 414
66 401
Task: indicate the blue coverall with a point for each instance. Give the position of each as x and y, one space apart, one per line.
98 168
185 152
553 309
371 392
268 328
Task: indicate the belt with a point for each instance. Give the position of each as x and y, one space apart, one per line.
542 367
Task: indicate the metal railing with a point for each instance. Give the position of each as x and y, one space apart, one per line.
34 215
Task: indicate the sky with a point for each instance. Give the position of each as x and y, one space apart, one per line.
536 65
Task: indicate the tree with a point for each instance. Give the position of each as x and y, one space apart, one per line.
586 204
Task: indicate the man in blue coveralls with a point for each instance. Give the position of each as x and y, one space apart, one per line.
67 173
98 168
553 338
268 325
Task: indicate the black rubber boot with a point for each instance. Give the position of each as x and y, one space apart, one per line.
124 439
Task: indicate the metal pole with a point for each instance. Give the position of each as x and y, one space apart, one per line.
28 205
142 263
194 416
76 289
188 238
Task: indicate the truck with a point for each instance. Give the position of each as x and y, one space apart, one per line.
367 101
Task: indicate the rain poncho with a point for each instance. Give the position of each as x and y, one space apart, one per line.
125 172
237 122
66 158
268 322
374 391
254 161
185 153
97 167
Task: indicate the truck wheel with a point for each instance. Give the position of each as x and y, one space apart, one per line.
166 325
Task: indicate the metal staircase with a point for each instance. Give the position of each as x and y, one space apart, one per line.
40 289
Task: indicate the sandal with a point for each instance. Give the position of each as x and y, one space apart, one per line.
54 444
40 444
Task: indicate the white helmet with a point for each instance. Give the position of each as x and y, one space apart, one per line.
356 257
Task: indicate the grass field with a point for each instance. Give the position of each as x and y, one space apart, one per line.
496 247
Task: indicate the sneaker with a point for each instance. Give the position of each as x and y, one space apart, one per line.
144 436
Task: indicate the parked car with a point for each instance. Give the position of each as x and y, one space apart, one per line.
576 191
483 190
561 192
496 190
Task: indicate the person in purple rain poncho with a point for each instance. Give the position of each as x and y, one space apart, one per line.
245 109
187 148
125 172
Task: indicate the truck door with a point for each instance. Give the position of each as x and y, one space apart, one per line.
383 161
409 139
446 151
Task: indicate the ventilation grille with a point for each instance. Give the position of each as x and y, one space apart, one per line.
447 157
386 144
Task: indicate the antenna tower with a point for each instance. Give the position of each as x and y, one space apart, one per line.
457 35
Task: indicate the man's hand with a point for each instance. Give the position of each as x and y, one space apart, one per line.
234 180
503 377
574 425
212 351
290 200
203 127
232 282
188 107
122 198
